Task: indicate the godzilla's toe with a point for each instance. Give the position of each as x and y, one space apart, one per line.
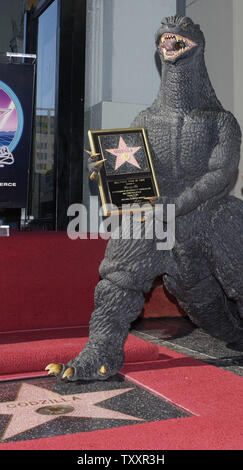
73 373
54 368
69 373
103 370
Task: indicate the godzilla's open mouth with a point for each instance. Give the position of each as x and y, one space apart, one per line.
174 45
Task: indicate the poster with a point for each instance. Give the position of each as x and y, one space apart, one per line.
16 110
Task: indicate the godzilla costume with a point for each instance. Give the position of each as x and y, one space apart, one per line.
195 148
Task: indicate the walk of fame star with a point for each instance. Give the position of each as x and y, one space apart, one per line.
34 405
124 154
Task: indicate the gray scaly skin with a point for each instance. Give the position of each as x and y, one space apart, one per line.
195 147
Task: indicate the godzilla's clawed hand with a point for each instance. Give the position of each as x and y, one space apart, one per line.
94 165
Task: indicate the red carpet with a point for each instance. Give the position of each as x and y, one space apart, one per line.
211 394
47 284
48 281
159 303
47 289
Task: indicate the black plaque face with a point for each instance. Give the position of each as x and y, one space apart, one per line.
127 176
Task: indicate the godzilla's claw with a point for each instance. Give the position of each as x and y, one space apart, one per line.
151 199
97 164
92 176
92 155
103 370
54 368
68 372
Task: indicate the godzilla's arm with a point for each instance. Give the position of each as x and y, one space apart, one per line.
223 168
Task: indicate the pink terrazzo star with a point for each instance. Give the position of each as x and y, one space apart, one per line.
124 154
30 398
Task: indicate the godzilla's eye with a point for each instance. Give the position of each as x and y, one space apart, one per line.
185 25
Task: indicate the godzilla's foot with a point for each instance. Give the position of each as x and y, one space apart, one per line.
88 365
70 372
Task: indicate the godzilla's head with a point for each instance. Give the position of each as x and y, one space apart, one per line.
178 39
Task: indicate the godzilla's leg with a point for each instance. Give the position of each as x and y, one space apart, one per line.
128 270
224 252
115 308
208 282
208 307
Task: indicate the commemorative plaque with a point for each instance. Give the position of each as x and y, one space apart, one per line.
127 176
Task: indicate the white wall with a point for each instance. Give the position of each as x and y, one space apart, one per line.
120 64
135 78
216 20
221 22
